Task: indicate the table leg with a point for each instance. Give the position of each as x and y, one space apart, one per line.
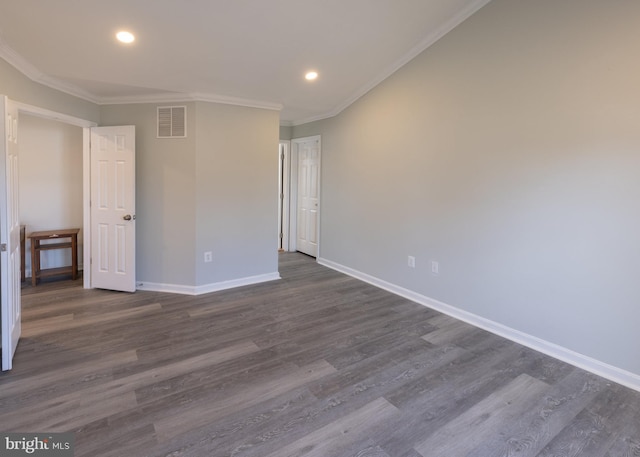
34 263
74 256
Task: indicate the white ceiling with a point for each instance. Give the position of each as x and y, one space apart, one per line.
249 52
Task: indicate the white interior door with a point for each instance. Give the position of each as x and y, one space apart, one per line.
113 224
308 195
9 233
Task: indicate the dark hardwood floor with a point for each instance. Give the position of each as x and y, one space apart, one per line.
316 364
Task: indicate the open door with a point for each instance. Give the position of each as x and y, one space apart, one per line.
113 212
9 232
308 192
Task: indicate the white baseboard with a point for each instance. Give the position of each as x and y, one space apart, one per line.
207 288
168 288
592 365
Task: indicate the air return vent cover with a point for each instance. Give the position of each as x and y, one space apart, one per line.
172 121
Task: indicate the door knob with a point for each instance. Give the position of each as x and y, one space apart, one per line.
127 217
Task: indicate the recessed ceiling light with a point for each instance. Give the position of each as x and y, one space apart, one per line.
310 76
125 37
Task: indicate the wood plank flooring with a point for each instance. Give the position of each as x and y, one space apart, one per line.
316 364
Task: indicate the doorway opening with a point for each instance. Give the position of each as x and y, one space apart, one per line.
50 183
305 195
62 122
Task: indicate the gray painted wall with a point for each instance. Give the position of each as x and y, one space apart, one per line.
50 184
215 190
510 152
285 132
165 195
236 192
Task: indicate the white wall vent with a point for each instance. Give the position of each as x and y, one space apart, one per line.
172 121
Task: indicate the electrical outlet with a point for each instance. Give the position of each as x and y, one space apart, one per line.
208 257
411 261
435 267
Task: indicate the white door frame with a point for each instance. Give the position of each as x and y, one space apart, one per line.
284 173
293 200
86 174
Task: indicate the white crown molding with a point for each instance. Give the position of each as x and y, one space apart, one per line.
178 97
34 74
615 374
21 64
67 88
427 42
160 97
213 98
320 117
18 62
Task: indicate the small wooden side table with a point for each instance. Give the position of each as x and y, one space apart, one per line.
37 247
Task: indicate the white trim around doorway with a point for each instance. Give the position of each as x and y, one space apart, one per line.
86 174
